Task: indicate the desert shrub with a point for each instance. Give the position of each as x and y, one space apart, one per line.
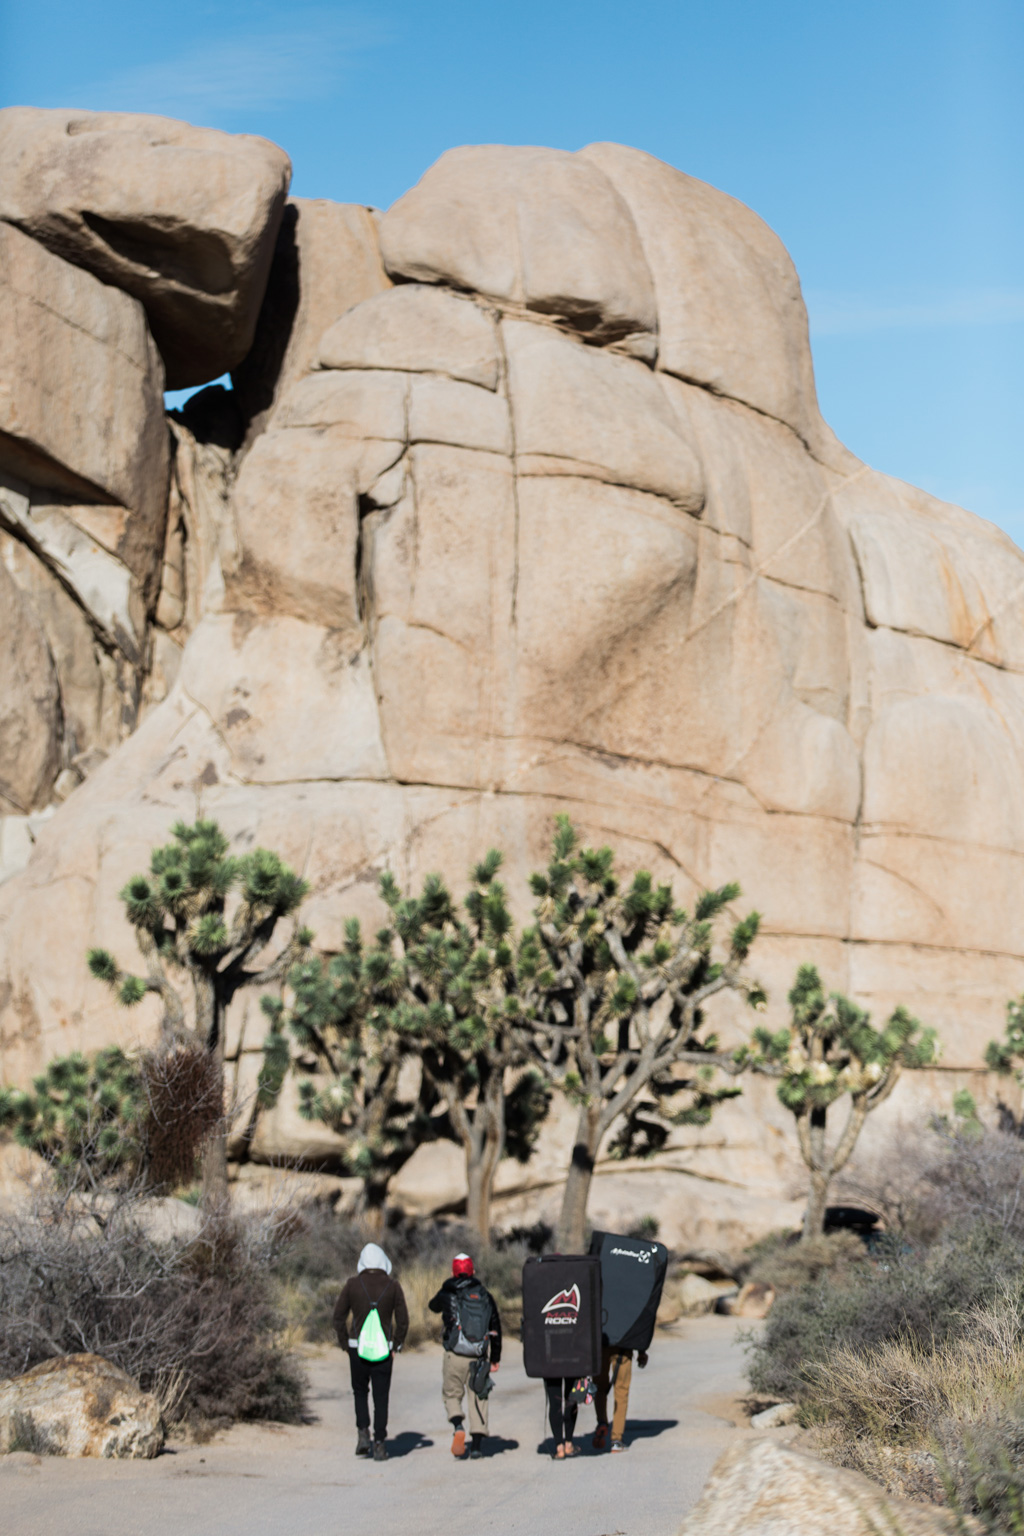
944 1423
899 1293
927 1176
192 1321
786 1263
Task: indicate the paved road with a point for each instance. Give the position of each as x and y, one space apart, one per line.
305 1481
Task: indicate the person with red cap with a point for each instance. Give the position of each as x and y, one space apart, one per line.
472 1352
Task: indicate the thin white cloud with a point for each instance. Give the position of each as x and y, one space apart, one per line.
838 314
233 74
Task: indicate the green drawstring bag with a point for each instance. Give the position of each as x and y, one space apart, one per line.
373 1343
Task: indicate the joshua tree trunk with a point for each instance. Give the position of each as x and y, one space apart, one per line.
215 1192
482 1133
209 1019
817 1200
572 1224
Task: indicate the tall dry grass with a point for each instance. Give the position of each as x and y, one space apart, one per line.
945 1424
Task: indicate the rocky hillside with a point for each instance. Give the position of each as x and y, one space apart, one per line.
520 502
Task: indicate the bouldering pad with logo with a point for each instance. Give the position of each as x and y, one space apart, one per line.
562 1315
632 1277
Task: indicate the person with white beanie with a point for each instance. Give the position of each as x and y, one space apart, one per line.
371 1319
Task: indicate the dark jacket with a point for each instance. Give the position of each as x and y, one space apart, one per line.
444 1302
373 1288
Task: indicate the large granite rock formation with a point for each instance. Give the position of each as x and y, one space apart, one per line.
183 218
522 503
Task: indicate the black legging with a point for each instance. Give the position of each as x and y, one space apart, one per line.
561 1412
367 1374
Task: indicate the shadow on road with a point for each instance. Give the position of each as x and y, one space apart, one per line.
408 1440
648 1429
494 1445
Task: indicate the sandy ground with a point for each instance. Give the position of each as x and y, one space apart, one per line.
305 1481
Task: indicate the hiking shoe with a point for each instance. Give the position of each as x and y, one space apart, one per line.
364 1445
476 1454
618 1445
459 1442
380 1451
600 1439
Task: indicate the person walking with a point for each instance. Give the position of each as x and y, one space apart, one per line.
371 1320
472 1352
616 1375
562 1410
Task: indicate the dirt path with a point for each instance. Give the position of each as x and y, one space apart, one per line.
267 1481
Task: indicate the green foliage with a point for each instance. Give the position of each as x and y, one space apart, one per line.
82 1113
180 913
439 988
1005 1056
605 954
830 1051
831 1048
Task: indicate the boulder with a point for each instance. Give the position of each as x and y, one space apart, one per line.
540 228
775 1417
752 1300
588 414
760 1488
689 1297
79 1405
731 315
81 388
183 218
326 260
30 723
418 330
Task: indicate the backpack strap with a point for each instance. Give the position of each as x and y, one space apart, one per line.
380 1298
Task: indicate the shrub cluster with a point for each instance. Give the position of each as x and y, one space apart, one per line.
907 1360
193 1321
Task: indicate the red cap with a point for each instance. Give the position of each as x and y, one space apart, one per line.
462 1264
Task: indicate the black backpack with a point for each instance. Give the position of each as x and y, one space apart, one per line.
471 1322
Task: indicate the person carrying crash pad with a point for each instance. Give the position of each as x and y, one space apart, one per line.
472 1352
371 1320
632 1277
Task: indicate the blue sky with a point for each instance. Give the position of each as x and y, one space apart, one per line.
883 141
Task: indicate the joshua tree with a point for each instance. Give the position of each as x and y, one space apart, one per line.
344 1014
620 979
831 1051
433 1002
84 1116
201 918
464 1004
1007 1055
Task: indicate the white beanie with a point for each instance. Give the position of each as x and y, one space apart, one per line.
373 1257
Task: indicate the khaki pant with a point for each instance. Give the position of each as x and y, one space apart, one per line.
455 1386
617 1367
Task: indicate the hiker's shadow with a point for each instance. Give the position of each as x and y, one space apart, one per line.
648 1429
409 1440
494 1445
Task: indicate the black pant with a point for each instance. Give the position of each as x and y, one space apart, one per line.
561 1412
367 1374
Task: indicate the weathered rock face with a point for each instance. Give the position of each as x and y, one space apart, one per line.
759 1488
183 218
79 1405
534 511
